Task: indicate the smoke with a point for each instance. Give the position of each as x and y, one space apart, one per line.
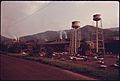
63 34
15 38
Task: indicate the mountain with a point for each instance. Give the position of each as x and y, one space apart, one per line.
114 29
2 38
42 37
86 33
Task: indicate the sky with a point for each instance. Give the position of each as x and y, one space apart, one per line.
21 18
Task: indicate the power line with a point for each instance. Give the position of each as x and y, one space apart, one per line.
23 19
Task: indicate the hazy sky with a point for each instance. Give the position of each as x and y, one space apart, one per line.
20 18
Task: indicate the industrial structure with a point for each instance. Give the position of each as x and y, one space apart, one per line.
75 37
70 42
99 34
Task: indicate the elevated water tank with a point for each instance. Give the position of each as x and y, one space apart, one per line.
75 24
96 17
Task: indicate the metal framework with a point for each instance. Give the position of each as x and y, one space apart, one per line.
99 35
75 36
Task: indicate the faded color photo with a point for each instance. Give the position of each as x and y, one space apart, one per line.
59 40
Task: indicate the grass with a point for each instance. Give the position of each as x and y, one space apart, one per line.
98 73
101 74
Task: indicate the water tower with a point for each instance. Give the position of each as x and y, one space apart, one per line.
75 37
99 34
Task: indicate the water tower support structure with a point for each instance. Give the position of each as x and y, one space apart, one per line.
99 35
75 37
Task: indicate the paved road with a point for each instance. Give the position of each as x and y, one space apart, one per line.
19 69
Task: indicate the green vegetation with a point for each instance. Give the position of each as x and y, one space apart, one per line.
98 73
101 74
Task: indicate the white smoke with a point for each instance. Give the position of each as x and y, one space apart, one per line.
63 33
15 38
